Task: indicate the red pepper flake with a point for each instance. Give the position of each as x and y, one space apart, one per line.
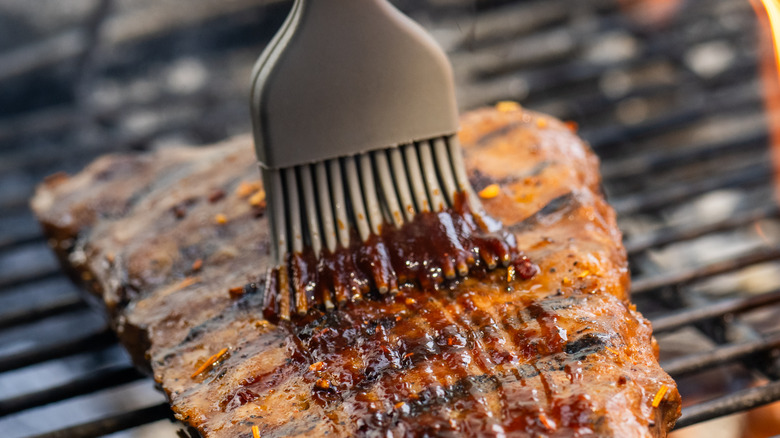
397 318
659 396
179 211
258 199
450 341
573 126
318 366
322 384
510 273
549 424
236 292
255 432
209 363
408 355
247 189
410 301
490 191
399 405
508 106
187 282
197 265
216 195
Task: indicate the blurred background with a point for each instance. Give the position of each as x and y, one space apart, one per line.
675 96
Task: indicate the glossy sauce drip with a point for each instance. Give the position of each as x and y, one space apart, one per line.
428 251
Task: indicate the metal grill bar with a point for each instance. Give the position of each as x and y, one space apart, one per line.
653 201
722 355
65 304
670 236
761 255
114 423
22 359
734 402
682 318
96 381
732 100
42 271
654 161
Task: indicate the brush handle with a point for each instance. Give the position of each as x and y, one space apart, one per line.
345 77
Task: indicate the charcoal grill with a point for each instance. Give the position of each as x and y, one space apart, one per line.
676 114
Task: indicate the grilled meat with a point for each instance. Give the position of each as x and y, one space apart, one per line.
175 244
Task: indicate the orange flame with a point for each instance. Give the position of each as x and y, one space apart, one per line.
768 12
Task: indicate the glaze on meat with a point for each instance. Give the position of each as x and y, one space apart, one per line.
428 251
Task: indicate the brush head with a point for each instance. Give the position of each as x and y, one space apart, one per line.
370 223
354 116
346 77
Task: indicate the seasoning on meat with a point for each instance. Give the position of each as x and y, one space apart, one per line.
659 396
209 363
490 191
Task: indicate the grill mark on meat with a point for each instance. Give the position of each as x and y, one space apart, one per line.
479 180
487 352
551 213
479 406
503 131
169 177
492 353
249 303
198 331
431 320
587 344
471 387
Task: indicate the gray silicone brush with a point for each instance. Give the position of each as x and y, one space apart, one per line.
354 116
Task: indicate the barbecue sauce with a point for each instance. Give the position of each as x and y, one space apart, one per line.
431 250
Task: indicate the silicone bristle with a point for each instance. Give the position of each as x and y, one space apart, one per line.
318 205
325 207
389 193
402 184
311 210
416 178
444 166
373 208
431 178
355 190
339 202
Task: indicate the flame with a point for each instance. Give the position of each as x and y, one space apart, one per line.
768 12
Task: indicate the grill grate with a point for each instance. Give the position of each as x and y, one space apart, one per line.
676 115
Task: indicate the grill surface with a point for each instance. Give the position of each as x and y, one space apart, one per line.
675 113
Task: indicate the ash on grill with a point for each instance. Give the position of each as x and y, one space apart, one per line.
672 104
